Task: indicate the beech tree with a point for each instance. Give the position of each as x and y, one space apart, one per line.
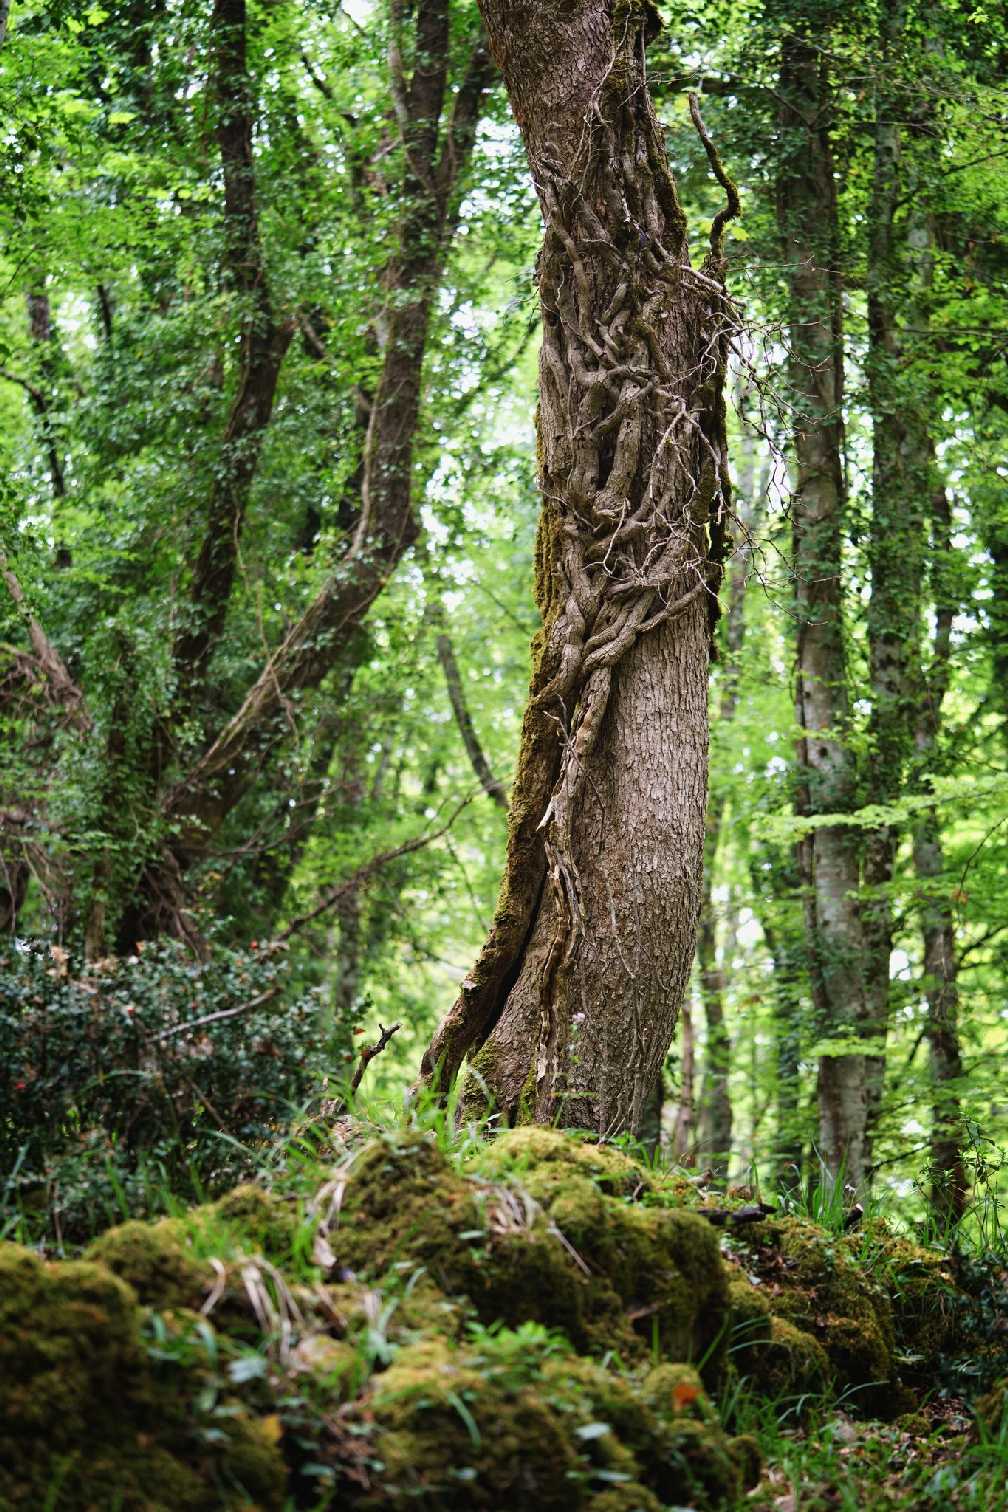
570 1009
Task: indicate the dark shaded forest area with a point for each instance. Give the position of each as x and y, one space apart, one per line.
503 755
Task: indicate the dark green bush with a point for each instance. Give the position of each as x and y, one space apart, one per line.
138 1077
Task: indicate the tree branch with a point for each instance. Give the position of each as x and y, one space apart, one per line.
213 1018
62 686
456 695
264 346
369 1052
362 873
40 405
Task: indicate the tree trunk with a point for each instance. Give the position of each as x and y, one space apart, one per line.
714 1134
571 1007
825 777
264 345
682 1142
899 272
949 1186
714 1125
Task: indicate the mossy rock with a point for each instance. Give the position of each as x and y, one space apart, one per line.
89 1418
656 1276
610 1272
776 1356
459 1429
156 1261
543 1159
404 1210
263 1222
447 1439
814 1282
925 1299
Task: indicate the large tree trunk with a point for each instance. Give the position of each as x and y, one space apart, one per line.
829 854
571 1007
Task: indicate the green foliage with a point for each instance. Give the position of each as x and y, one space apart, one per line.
141 1078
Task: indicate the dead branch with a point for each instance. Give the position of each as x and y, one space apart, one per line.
213 1018
369 1052
456 695
735 1217
362 873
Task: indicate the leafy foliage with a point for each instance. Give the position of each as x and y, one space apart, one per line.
143 1079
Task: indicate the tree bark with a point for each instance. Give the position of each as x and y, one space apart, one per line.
264 346
899 274
571 1007
949 1185
825 776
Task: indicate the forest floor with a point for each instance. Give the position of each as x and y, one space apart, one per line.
933 1458
419 1317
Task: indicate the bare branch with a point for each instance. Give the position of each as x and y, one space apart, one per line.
456 695
213 1018
369 1052
362 873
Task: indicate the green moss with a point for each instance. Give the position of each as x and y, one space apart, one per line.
543 1157
656 1279
677 1390
483 1427
156 1261
627 1498
445 1438
88 1415
263 1221
404 1209
924 1297
613 1274
654 1273
748 1456
776 1356
820 1287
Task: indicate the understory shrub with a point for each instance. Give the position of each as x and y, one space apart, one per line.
152 1074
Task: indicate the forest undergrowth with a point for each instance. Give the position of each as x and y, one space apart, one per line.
395 1309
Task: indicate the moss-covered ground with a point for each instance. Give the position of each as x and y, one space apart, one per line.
419 1318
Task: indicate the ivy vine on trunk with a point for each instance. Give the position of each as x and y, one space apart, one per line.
570 1009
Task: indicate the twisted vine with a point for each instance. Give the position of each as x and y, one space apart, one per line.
633 469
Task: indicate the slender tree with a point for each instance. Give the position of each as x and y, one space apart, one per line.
807 218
